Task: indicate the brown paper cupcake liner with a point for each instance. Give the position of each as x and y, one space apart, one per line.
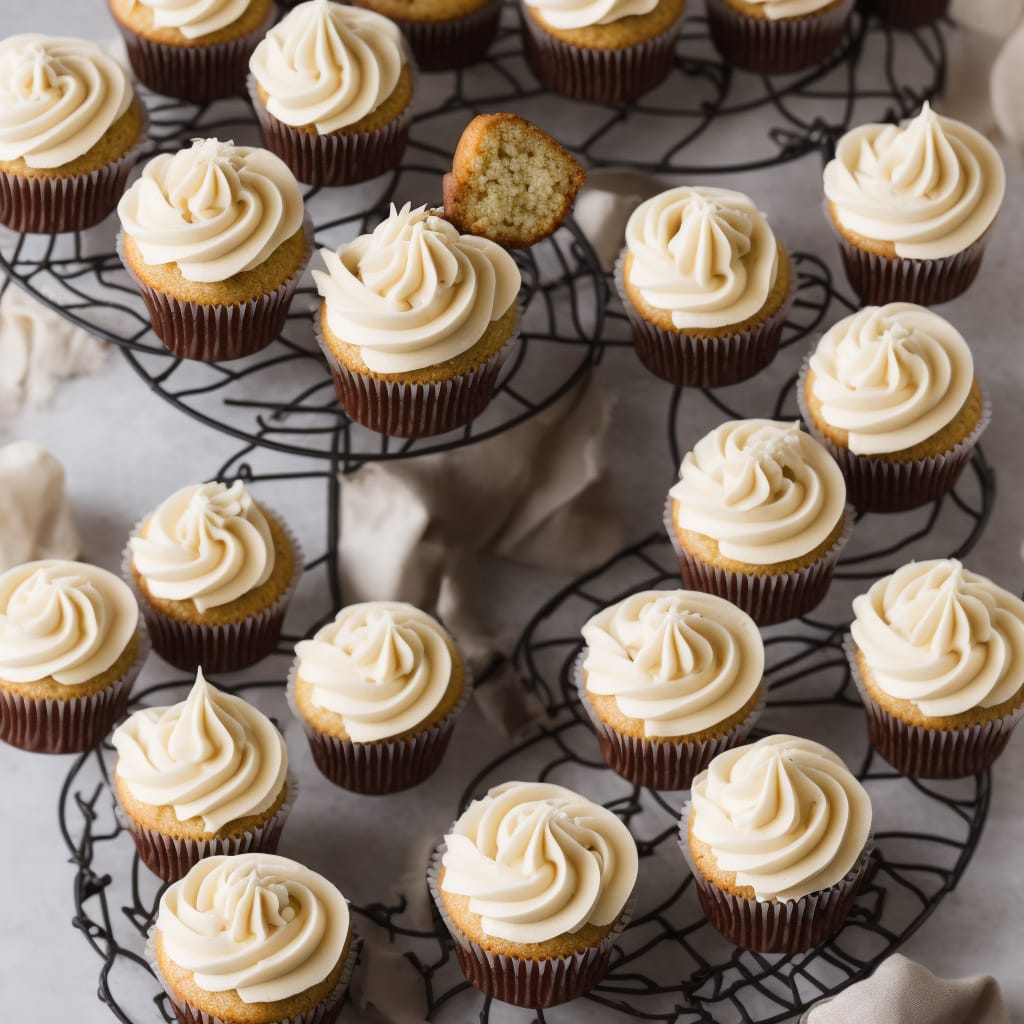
218 333
444 45
931 753
223 648
766 599
414 410
534 984
660 764
906 13
601 76
341 158
690 360
69 726
776 926
877 484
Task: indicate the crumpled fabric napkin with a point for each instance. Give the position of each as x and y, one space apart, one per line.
902 990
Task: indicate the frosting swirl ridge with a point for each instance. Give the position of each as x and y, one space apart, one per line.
195 18
571 14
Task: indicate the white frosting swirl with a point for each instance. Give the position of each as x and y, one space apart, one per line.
214 209
207 543
259 924
765 491
328 64
58 97
571 14
384 666
415 292
705 255
539 861
212 756
63 620
776 10
679 661
931 186
195 18
891 376
942 637
785 814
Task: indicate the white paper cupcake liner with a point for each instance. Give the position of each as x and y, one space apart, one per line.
453 43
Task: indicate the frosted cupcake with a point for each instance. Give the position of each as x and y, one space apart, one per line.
378 691
214 572
206 776
891 393
415 323
937 653
913 205
670 679
332 88
71 128
759 517
71 646
777 835
705 285
534 882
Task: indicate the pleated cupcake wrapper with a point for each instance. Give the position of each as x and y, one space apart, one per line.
46 726
215 648
386 766
882 485
931 753
414 410
194 73
776 926
219 332
440 45
521 981
766 599
325 1012
907 13
690 360
601 76
660 764
776 46
339 158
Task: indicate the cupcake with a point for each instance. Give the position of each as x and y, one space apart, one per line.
705 285
759 517
214 572
891 393
534 882
777 36
71 128
192 51
608 51
253 939
206 776
216 241
670 679
907 13
937 653
913 205
332 88
777 835
378 691
415 323
71 645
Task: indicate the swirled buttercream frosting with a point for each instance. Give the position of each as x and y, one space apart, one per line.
942 637
538 861
679 661
415 293
784 814
207 543
891 376
58 97
258 924
571 14
383 666
328 65
705 255
212 756
195 18
214 209
764 490
776 10
68 621
931 186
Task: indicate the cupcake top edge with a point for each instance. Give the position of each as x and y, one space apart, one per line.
576 14
779 10
195 19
